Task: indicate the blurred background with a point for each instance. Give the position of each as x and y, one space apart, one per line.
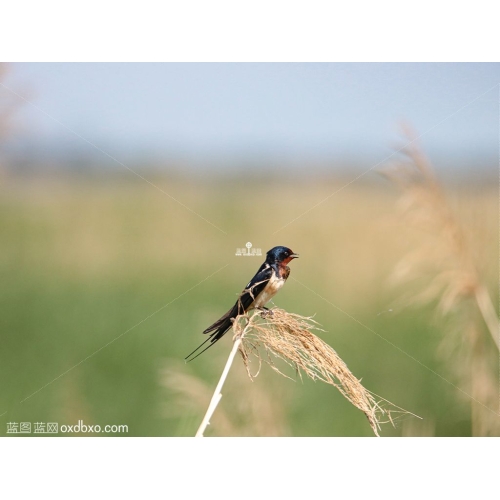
127 189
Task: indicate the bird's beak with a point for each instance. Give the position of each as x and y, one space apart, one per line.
294 256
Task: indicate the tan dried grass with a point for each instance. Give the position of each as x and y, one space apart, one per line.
289 337
443 262
444 258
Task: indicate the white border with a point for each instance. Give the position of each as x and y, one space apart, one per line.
268 30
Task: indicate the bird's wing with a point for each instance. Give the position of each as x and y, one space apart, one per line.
256 285
247 296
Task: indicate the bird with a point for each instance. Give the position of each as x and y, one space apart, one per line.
266 283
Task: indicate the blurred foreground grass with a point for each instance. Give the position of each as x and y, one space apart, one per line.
106 284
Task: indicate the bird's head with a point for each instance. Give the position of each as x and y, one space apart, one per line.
280 255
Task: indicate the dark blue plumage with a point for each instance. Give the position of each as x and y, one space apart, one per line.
262 287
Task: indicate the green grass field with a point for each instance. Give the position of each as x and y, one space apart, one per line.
107 283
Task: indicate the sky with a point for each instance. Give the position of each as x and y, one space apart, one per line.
208 112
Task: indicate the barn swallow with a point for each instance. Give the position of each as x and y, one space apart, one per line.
266 283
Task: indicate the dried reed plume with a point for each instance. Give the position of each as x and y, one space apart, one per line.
288 337
443 260
447 259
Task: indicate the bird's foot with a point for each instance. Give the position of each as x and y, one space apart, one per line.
264 311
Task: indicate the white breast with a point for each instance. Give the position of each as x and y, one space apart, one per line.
269 291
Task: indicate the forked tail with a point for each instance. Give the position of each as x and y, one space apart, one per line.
217 331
